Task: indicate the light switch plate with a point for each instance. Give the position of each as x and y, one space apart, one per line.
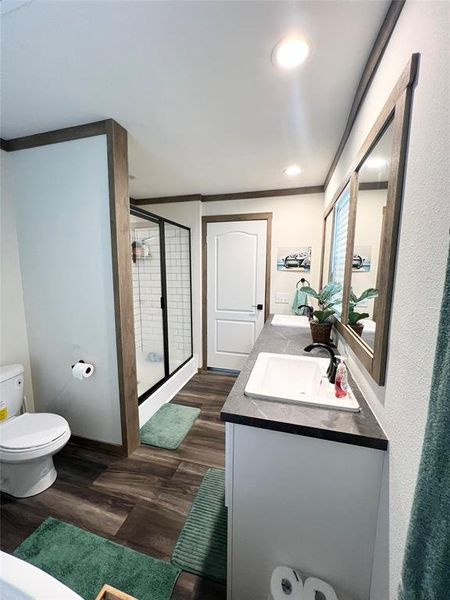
281 298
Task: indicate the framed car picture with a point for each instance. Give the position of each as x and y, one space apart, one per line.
361 259
295 258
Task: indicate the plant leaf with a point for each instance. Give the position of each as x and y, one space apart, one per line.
353 298
367 295
323 316
330 290
354 317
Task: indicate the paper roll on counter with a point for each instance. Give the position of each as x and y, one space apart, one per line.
82 370
286 584
313 585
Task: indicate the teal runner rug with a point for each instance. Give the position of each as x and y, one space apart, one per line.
202 546
84 562
169 426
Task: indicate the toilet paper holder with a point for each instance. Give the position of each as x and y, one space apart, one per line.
89 370
78 361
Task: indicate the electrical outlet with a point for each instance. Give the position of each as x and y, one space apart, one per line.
281 298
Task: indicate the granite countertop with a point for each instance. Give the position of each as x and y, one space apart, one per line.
360 429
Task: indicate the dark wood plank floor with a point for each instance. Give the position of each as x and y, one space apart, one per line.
141 501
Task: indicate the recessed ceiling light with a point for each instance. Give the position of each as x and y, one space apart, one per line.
290 53
376 162
292 171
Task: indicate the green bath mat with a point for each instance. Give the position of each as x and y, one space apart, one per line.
85 562
169 426
202 546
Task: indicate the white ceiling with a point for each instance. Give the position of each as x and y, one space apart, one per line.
192 82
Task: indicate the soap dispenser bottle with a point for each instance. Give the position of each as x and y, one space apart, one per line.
341 381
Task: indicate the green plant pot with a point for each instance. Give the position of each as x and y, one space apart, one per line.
321 332
358 328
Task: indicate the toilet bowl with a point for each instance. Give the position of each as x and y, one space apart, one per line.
28 441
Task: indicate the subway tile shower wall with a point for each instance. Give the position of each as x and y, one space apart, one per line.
147 294
178 294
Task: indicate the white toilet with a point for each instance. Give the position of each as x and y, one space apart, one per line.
27 441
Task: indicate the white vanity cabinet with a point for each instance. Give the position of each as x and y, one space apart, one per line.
308 503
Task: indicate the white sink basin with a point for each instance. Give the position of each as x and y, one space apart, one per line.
290 321
296 379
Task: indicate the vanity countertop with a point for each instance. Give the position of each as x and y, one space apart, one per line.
361 429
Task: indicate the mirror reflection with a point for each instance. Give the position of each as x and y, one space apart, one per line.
328 233
368 242
339 244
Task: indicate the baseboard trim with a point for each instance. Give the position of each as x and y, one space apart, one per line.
83 442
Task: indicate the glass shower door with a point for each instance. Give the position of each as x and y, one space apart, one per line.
147 294
178 281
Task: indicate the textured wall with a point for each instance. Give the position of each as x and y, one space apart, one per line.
61 196
13 332
401 406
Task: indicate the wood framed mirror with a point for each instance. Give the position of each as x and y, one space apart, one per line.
360 231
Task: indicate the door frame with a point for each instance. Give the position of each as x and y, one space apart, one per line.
266 216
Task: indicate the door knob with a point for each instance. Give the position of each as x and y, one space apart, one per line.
258 306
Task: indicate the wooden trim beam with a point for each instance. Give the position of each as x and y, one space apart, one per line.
117 144
166 199
370 69
373 185
54 137
299 191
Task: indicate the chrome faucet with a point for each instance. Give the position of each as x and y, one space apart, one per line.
332 367
309 310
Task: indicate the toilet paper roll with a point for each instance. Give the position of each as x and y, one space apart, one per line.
82 370
286 584
313 585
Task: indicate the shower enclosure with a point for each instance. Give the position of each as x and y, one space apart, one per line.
162 298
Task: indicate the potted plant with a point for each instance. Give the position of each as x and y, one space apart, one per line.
322 321
353 316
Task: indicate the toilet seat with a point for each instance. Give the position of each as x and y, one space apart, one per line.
31 431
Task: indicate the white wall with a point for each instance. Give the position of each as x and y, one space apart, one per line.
13 333
188 214
402 405
61 197
297 221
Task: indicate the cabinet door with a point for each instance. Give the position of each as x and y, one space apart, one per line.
308 503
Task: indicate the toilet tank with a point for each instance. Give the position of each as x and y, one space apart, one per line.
11 391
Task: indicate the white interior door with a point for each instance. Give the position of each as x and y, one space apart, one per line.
236 270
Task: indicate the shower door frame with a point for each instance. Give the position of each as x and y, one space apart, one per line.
145 214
